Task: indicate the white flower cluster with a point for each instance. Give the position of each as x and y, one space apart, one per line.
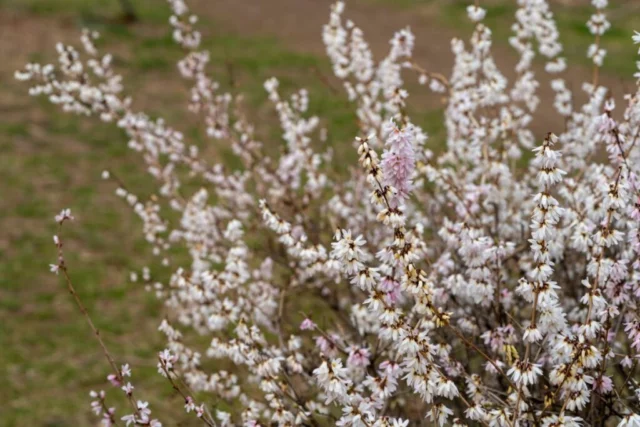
462 288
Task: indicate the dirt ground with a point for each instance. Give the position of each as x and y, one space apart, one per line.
298 24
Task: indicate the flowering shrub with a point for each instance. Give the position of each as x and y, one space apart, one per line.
462 287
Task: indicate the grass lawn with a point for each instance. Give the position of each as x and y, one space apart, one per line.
50 160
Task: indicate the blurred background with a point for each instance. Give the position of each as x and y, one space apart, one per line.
49 160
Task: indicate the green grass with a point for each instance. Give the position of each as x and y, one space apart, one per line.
53 160
89 11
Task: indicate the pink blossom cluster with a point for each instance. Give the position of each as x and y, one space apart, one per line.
495 283
398 162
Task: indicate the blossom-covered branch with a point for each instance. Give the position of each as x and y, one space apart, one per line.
496 282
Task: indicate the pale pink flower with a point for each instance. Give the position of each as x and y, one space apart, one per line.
113 379
603 385
398 162
64 215
359 357
307 325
